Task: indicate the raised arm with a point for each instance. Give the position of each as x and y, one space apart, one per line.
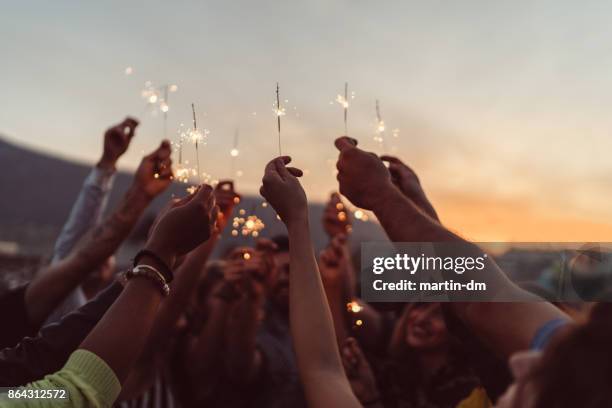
90 204
312 329
187 224
94 373
363 178
49 288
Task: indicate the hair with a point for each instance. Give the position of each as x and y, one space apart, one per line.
576 369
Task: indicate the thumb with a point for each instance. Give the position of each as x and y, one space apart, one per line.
344 143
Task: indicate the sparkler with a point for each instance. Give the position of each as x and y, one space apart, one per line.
279 111
380 127
249 225
196 137
234 153
344 102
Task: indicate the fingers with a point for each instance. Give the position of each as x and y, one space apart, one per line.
355 349
348 354
345 143
128 126
226 185
390 159
280 163
295 171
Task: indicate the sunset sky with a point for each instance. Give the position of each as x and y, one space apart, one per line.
503 108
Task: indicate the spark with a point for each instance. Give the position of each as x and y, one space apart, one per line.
129 71
380 126
249 225
279 111
354 307
343 100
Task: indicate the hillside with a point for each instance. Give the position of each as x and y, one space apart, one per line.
38 190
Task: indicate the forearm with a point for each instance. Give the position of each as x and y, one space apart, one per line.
508 327
86 211
337 305
309 310
48 289
182 288
133 313
205 353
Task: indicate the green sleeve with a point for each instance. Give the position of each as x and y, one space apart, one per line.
87 379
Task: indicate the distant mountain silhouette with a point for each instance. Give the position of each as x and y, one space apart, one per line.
38 190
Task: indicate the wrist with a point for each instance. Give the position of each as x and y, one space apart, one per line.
386 195
299 220
164 255
107 163
139 195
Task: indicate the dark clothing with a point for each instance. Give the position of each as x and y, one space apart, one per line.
492 370
35 357
279 382
402 386
276 385
14 318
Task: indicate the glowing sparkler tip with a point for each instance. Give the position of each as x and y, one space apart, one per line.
234 152
354 307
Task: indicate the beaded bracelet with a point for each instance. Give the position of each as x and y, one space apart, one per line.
149 272
165 272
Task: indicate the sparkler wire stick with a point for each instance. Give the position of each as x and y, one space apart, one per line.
195 129
234 154
278 115
166 112
380 128
345 108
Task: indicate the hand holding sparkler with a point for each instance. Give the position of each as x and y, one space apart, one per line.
362 176
116 141
226 200
336 217
185 225
407 181
245 271
154 174
334 263
283 191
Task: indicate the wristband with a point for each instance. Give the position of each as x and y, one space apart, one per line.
165 271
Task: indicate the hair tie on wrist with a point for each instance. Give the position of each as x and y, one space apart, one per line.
165 271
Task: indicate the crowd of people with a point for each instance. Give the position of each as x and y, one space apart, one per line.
274 324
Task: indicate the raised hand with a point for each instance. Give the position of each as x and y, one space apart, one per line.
334 263
363 177
185 225
245 272
336 219
116 141
227 198
359 372
404 178
154 174
283 191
